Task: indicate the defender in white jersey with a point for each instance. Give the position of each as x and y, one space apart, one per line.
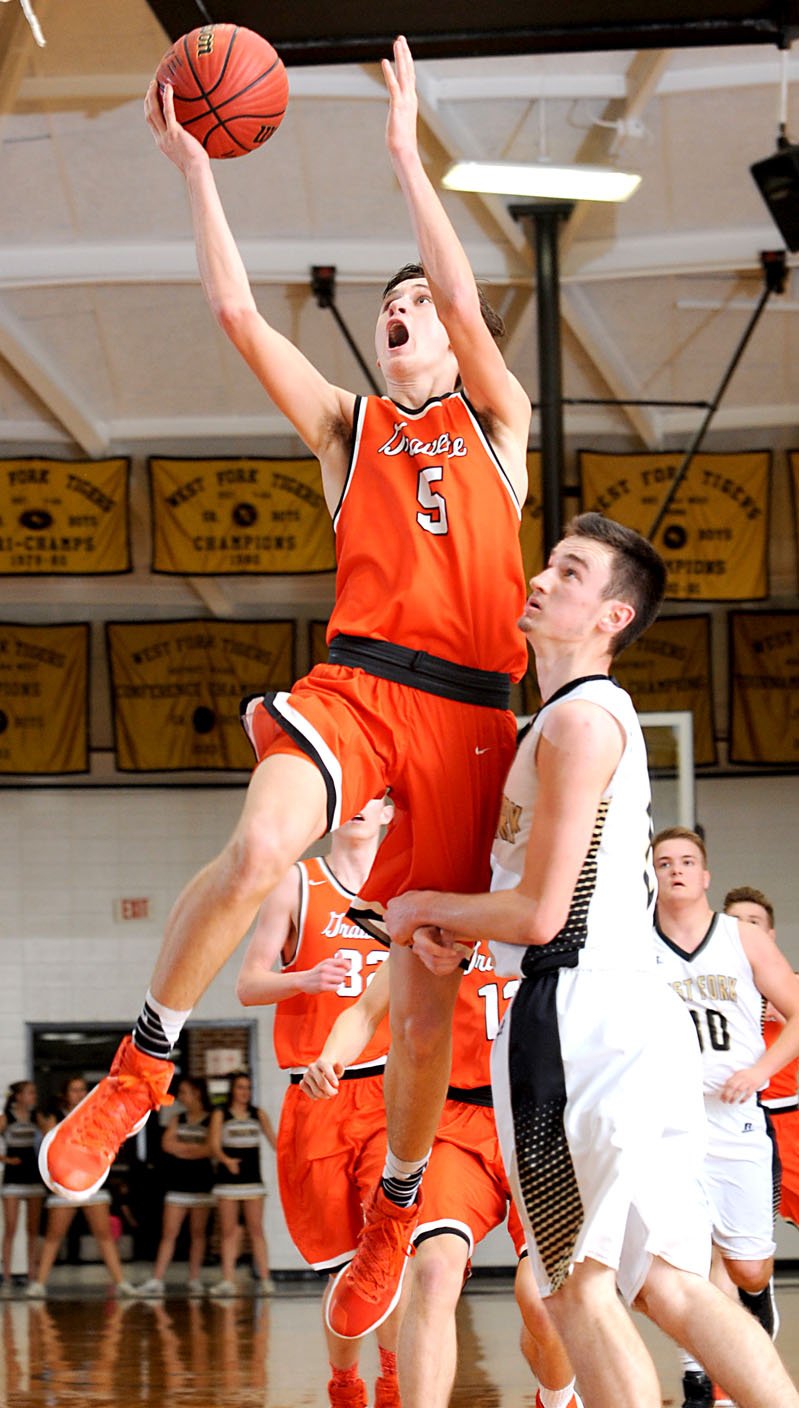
723 968
597 1081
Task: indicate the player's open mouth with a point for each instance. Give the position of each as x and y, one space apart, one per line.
397 334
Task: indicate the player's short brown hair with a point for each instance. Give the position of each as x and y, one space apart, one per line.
491 317
747 894
638 575
681 833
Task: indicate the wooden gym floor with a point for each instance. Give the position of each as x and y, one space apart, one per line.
81 1347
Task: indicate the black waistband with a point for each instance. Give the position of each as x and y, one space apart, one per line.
547 960
416 668
350 1073
477 1095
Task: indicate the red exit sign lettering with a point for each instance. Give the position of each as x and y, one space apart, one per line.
132 908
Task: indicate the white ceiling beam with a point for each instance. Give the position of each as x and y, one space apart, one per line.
267 261
363 262
722 250
46 380
363 83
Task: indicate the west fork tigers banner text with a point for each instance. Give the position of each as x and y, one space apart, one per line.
177 687
64 518
714 537
217 517
764 687
44 699
668 668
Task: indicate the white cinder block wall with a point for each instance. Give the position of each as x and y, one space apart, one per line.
68 853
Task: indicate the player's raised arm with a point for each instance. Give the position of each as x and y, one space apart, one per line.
487 381
313 405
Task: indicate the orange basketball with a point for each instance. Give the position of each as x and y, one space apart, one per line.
230 87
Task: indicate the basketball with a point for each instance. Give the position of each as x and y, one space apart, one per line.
230 87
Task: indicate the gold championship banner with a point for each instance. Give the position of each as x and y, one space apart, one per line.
793 467
66 518
177 686
764 687
532 526
317 643
669 668
44 699
227 517
714 537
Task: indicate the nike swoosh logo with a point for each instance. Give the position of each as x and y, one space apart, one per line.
480 751
316 882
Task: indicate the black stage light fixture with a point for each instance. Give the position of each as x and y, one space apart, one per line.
777 177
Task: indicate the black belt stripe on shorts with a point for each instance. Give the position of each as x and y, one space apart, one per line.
352 1073
430 673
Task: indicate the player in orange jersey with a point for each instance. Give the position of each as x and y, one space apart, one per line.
426 486
780 1095
466 1195
327 1159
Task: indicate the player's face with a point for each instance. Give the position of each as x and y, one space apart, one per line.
751 913
187 1095
367 823
568 597
680 870
75 1092
409 330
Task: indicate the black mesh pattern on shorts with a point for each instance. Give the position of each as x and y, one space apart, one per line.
549 1188
538 1099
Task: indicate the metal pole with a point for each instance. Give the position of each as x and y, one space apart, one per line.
774 265
542 222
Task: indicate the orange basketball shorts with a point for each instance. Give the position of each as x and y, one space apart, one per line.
465 1189
445 763
330 1155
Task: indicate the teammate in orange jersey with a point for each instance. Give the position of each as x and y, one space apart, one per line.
466 1195
327 1159
426 487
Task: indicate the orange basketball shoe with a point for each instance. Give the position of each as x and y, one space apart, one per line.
75 1157
347 1395
366 1291
574 1402
387 1394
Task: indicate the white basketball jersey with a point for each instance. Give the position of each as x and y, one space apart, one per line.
610 916
717 984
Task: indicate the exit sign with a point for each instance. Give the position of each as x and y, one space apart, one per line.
132 908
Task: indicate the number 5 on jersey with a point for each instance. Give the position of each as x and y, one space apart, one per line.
433 517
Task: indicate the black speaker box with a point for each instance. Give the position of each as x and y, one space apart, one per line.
778 179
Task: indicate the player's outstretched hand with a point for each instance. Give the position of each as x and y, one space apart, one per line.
321 1080
438 949
173 140
400 79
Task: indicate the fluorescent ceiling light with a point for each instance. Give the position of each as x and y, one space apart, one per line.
542 178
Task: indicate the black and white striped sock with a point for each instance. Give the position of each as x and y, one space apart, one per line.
158 1028
401 1178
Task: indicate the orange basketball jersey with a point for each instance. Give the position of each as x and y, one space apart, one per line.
302 1023
781 1091
481 1004
427 537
